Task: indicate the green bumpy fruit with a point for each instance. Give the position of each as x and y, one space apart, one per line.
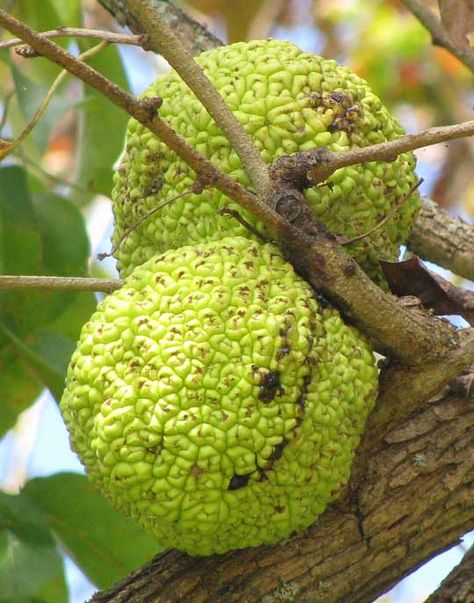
214 401
288 101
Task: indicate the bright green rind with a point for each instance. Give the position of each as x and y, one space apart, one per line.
285 98
212 400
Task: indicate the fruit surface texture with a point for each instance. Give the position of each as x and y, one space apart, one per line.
288 101
213 400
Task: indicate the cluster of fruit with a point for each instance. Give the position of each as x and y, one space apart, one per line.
212 398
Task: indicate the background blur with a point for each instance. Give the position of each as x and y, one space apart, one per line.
66 163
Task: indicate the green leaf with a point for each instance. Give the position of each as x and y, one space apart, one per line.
39 234
63 229
49 14
53 379
102 125
20 240
31 568
104 544
19 385
33 79
30 93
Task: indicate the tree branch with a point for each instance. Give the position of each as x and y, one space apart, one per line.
430 239
316 167
444 240
412 336
165 42
438 35
404 391
69 283
75 32
414 500
459 584
142 111
389 521
195 37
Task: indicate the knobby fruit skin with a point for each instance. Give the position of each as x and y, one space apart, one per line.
214 401
288 101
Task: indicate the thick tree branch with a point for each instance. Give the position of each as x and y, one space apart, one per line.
165 42
406 391
444 240
414 500
458 586
430 21
195 37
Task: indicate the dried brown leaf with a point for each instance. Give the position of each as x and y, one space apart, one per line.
5 148
411 277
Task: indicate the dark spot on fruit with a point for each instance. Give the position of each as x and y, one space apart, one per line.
278 450
196 471
323 301
239 481
282 352
270 386
300 402
349 269
338 97
279 509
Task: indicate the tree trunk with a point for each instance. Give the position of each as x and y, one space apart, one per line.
413 499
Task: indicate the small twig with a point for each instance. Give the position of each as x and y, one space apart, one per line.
66 283
144 218
13 145
164 41
430 21
385 151
385 219
75 32
225 210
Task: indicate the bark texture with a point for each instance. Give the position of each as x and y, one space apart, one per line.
194 36
413 499
458 587
444 240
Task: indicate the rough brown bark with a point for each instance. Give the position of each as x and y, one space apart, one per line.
458 586
414 499
194 36
444 240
